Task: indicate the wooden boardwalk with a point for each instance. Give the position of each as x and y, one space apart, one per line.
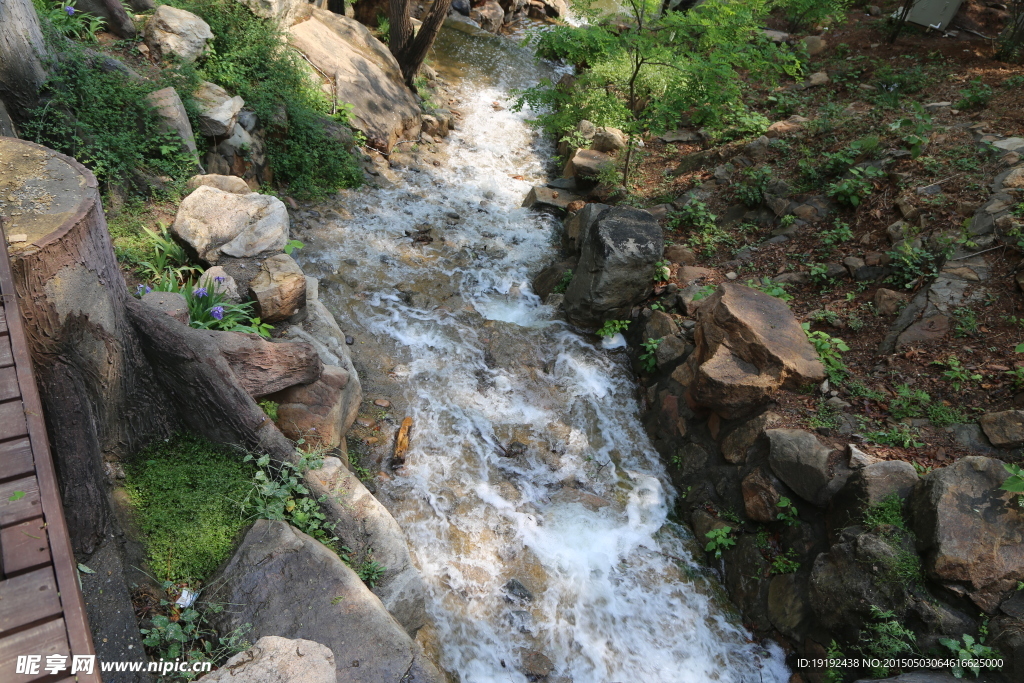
41 607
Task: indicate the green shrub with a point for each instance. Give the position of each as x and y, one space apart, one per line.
187 493
103 119
250 58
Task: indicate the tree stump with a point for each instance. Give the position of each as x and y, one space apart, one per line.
98 391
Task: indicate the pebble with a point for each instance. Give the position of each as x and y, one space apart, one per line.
382 403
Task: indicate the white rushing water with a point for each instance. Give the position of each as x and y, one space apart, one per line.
528 460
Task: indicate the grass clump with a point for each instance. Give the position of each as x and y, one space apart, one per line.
187 495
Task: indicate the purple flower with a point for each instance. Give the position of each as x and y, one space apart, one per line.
217 312
70 10
199 292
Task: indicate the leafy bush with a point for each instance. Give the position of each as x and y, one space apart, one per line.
186 493
250 58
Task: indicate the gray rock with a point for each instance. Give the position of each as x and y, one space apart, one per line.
805 465
278 660
171 303
218 110
285 583
284 12
969 529
174 118
213 222
366 526
172 31
616 263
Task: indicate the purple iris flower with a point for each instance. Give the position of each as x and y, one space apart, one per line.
199 293
70 10
217 312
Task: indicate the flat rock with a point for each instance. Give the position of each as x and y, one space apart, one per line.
173 31
278 660
279 289
214 222
268 584
1004 429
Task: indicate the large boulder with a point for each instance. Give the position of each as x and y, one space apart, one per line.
174 118
173 31
218 110
214 222
279 288
285 583
748 346
364 74
814 471
366 527
616 266
278 660
970 531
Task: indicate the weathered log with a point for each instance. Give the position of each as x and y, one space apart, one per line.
263 367
203 386
97 390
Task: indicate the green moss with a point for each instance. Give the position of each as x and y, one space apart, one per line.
187 494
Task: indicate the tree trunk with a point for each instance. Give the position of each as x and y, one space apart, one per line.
410 50
97 390
21 53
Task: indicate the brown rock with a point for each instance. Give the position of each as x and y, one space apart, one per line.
317 412
748 346
677 253
263 367
761 495
1004 429
888 302
279 288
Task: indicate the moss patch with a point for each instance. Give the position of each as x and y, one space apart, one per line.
187 494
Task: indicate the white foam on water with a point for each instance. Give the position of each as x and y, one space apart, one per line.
533 466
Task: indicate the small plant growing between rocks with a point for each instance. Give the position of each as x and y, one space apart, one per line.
787 512
1015 482
718 540
649 359
563 284
612 328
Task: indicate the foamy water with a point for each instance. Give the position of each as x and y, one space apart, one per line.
528 460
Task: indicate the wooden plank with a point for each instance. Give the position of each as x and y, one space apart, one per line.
28 598
22 507
50 638
64 564
12 420
6 354
16 458
24 546
9 384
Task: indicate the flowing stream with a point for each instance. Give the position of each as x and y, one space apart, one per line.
532 499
